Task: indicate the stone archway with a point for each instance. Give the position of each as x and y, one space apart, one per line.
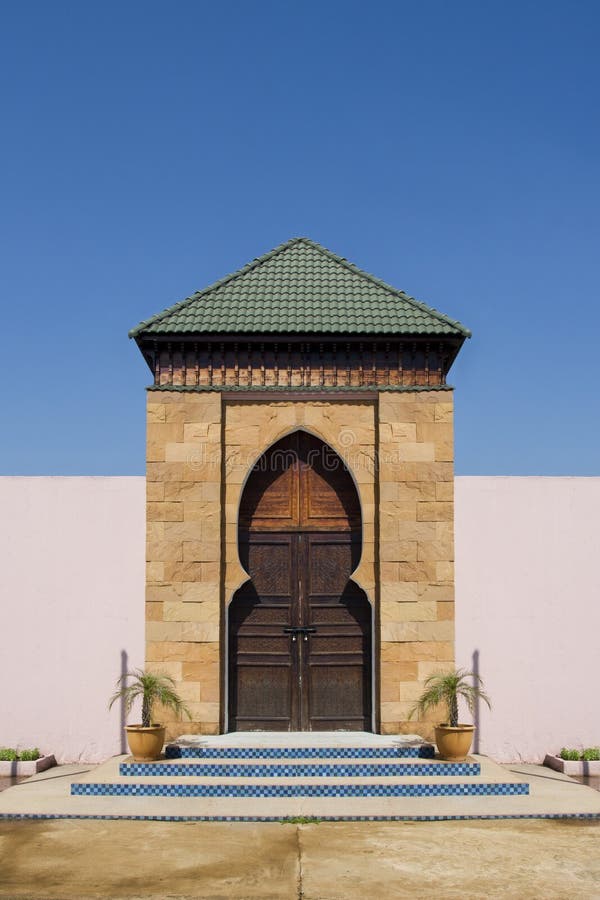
300 628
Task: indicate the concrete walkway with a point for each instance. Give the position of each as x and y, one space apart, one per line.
125 860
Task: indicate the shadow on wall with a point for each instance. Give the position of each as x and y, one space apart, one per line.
124 663
476 708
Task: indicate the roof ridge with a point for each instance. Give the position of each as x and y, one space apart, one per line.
388 287
248 267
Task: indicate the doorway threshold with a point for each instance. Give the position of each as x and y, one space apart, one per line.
299 739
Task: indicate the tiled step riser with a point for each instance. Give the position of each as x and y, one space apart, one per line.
282 770
299 790
425 751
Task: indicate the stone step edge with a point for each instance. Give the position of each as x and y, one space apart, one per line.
329 768
338 738
318 817
424 751
266 791
307 779
375 759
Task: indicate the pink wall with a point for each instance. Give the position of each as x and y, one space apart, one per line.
528 599
72 598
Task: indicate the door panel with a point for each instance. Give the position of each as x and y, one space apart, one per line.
327 493
263 671
271 497
329 565
300 484
339 661
271 567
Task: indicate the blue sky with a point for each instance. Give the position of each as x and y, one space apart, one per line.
453 149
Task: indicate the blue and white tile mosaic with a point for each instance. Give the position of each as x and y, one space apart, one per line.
298 790
423 751
291 770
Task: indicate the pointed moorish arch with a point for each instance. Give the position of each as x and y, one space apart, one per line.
299 655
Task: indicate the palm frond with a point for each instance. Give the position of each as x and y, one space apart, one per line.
153 688
446 688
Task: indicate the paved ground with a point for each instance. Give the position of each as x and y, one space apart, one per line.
9 781
592 781
123 860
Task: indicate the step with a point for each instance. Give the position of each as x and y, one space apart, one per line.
299 769
252 790
397 751
309 787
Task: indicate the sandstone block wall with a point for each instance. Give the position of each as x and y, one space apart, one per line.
183 551
416 558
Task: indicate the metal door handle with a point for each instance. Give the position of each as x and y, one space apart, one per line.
299 629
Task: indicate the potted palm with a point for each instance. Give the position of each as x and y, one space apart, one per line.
453 739
146 740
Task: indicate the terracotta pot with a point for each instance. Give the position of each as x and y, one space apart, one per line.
145 743
454 743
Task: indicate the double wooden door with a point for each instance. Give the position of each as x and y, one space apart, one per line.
300 637
300 628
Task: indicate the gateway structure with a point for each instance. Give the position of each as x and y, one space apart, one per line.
299 497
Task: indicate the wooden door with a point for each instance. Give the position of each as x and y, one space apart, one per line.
336 655
300 629
263 670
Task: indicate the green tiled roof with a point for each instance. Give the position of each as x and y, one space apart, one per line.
300 288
